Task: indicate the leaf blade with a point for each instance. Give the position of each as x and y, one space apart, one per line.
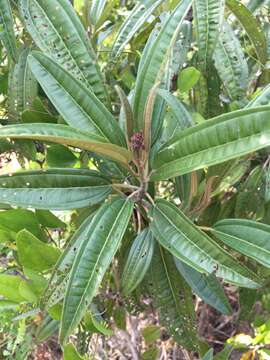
55 189
222 138
100 248
58 32
195 248
138 261
245 236
208 287
251 26
153 65
79 107
172 299
7 34
65 135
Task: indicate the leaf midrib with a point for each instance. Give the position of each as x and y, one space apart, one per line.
207 255
95 266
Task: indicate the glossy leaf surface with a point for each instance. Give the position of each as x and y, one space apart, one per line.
185 241
58 32
65 135
92 261
248 237
219 139
55 189
206 287
138 261
79 107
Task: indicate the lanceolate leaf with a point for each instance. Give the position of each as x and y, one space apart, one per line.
157 55
78 105
66 135
209 15
214 141
58 32
247 237
55 189
231 64
23 88
138 16
207 287
92 261
252 27
138 261
185 241
7 35
173 299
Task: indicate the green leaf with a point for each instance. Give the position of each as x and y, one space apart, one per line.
249 199
209 355
94 322
224 354
39 113
92 261
188 78
9 288
185 241
152 68
49 220
214 141
96 10
37 282
252 26
7 236
126 110
151 334
65 135
46 329
231 64
150 354
182 117
23 87
209 16
59 278
206 287
172 299
55 189
60 156
7 35
16 220
245 236
58 32
132 24
70 353
8 305
35 254
227 175
262 99
79 106
138 261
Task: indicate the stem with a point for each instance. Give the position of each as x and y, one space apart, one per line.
205 228
125 186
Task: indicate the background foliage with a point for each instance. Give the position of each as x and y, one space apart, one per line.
135 179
